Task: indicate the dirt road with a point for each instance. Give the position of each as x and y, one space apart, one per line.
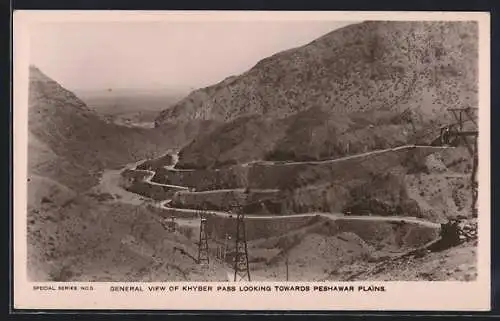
109 180
326 161
110 183
332 216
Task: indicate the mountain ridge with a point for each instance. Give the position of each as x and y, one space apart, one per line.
71 143
390 82
355 68
78 233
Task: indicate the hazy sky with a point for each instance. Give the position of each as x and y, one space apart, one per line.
168 55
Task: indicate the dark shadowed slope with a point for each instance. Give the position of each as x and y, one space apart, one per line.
313 134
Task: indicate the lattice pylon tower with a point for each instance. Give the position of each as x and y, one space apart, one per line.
241 269
463 115
203 242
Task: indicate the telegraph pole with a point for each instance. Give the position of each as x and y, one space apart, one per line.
241 269
203 243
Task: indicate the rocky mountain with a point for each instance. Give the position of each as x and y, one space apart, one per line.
77 233
396 77
313 134
69 143
368 86
371 65
365 87
386 83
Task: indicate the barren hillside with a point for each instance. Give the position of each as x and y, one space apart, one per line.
371 65
100 240
365 87
371 84
314 134
71 144
427 182
308 130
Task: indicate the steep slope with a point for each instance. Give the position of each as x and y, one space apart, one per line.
69 143
313 134
78 234
371 65
363 87
85 240
454 264
241 140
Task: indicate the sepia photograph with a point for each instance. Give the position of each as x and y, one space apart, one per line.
253 150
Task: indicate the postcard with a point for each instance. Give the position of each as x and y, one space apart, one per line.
205 160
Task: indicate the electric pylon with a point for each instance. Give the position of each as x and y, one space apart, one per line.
203 243
458 131
241 270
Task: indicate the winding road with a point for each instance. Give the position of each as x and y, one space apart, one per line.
110 182
333 216
350 157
